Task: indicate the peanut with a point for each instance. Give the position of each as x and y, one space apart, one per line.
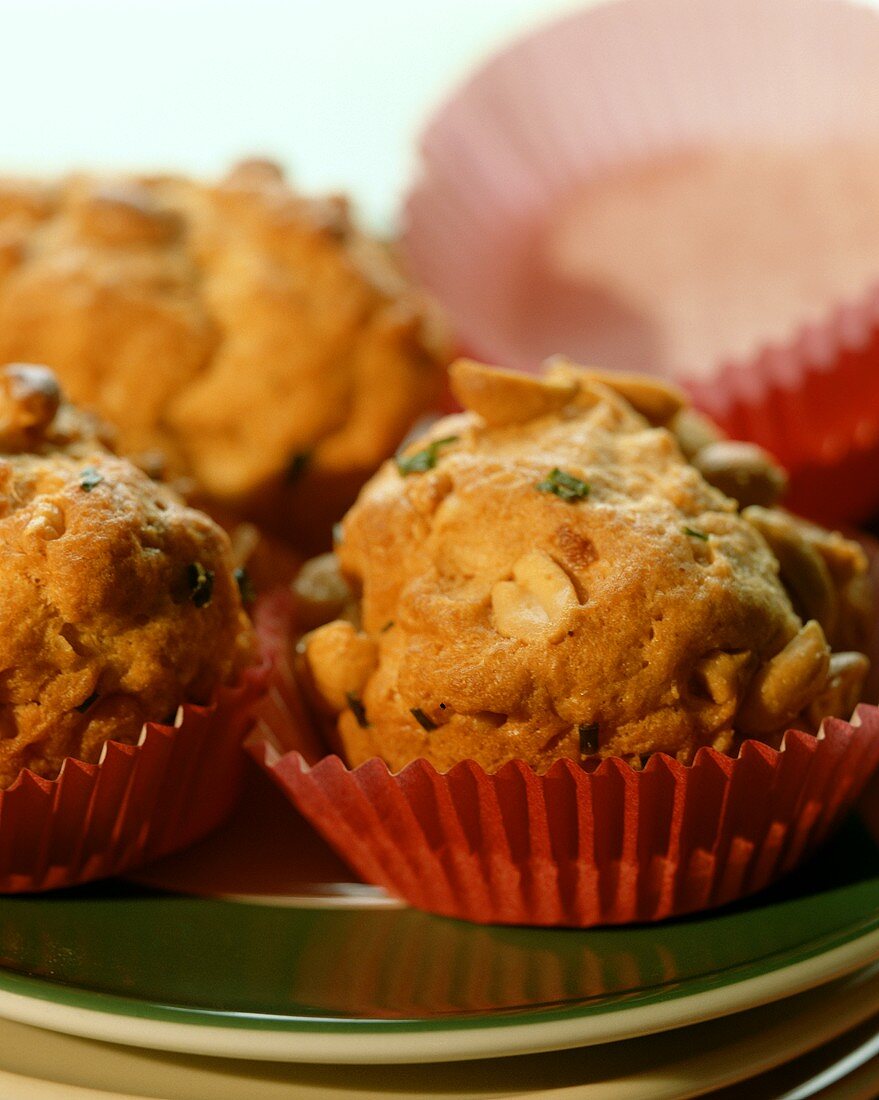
842 692
694 431
804 571
787 683
743 471
29 401
721 674
320 591
504 397
338 660
657 401
537 603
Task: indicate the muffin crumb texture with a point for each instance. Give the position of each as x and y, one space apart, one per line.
250 341
578 566
118 602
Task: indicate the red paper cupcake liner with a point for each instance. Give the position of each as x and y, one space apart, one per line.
816 406
140 802
619 84
574 847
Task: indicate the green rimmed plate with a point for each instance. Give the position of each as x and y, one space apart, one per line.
276 954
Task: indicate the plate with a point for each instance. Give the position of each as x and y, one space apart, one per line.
277 954
821 1036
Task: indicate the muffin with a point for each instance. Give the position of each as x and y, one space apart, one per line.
120 604
250 342
578 568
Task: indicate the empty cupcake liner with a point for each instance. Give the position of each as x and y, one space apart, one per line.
140 802
629 83
573 847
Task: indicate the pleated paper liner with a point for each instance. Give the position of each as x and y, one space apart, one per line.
635 83
576 846
140 802
816 405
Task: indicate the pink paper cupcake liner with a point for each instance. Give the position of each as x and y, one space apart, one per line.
575 846
140 802
634 81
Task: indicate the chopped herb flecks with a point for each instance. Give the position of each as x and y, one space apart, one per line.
296 467
588 739
423 460
564 485
201 584
694 534
357 709
245 586
86 703
89 478
422 719
387 626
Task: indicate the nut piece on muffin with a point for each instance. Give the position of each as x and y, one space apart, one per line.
250 340
119 603
578 566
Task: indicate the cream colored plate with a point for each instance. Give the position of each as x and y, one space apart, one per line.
41 1065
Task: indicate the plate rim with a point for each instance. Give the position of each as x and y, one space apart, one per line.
753 1055
56 1007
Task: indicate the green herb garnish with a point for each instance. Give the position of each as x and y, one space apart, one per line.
201 584
387 626
564 485
588 739
357 709
422 719
423 460
89 478
694 534
296 467
245 586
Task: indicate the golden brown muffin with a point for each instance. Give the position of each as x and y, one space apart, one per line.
548 576
249 339
119 603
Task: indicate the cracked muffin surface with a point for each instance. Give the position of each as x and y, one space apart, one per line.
118 602
252 341
550 576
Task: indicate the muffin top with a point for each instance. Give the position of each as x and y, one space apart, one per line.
243 336
549 576
119 603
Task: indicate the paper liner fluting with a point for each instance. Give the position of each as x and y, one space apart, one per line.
640 82
140 802
575 846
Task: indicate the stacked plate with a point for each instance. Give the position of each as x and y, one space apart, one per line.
231 974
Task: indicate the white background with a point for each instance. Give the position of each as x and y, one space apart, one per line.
336 89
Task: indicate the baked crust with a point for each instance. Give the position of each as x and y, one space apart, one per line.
561 582
119 603
252 341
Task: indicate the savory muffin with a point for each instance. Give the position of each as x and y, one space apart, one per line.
252 342
549 575
119 603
